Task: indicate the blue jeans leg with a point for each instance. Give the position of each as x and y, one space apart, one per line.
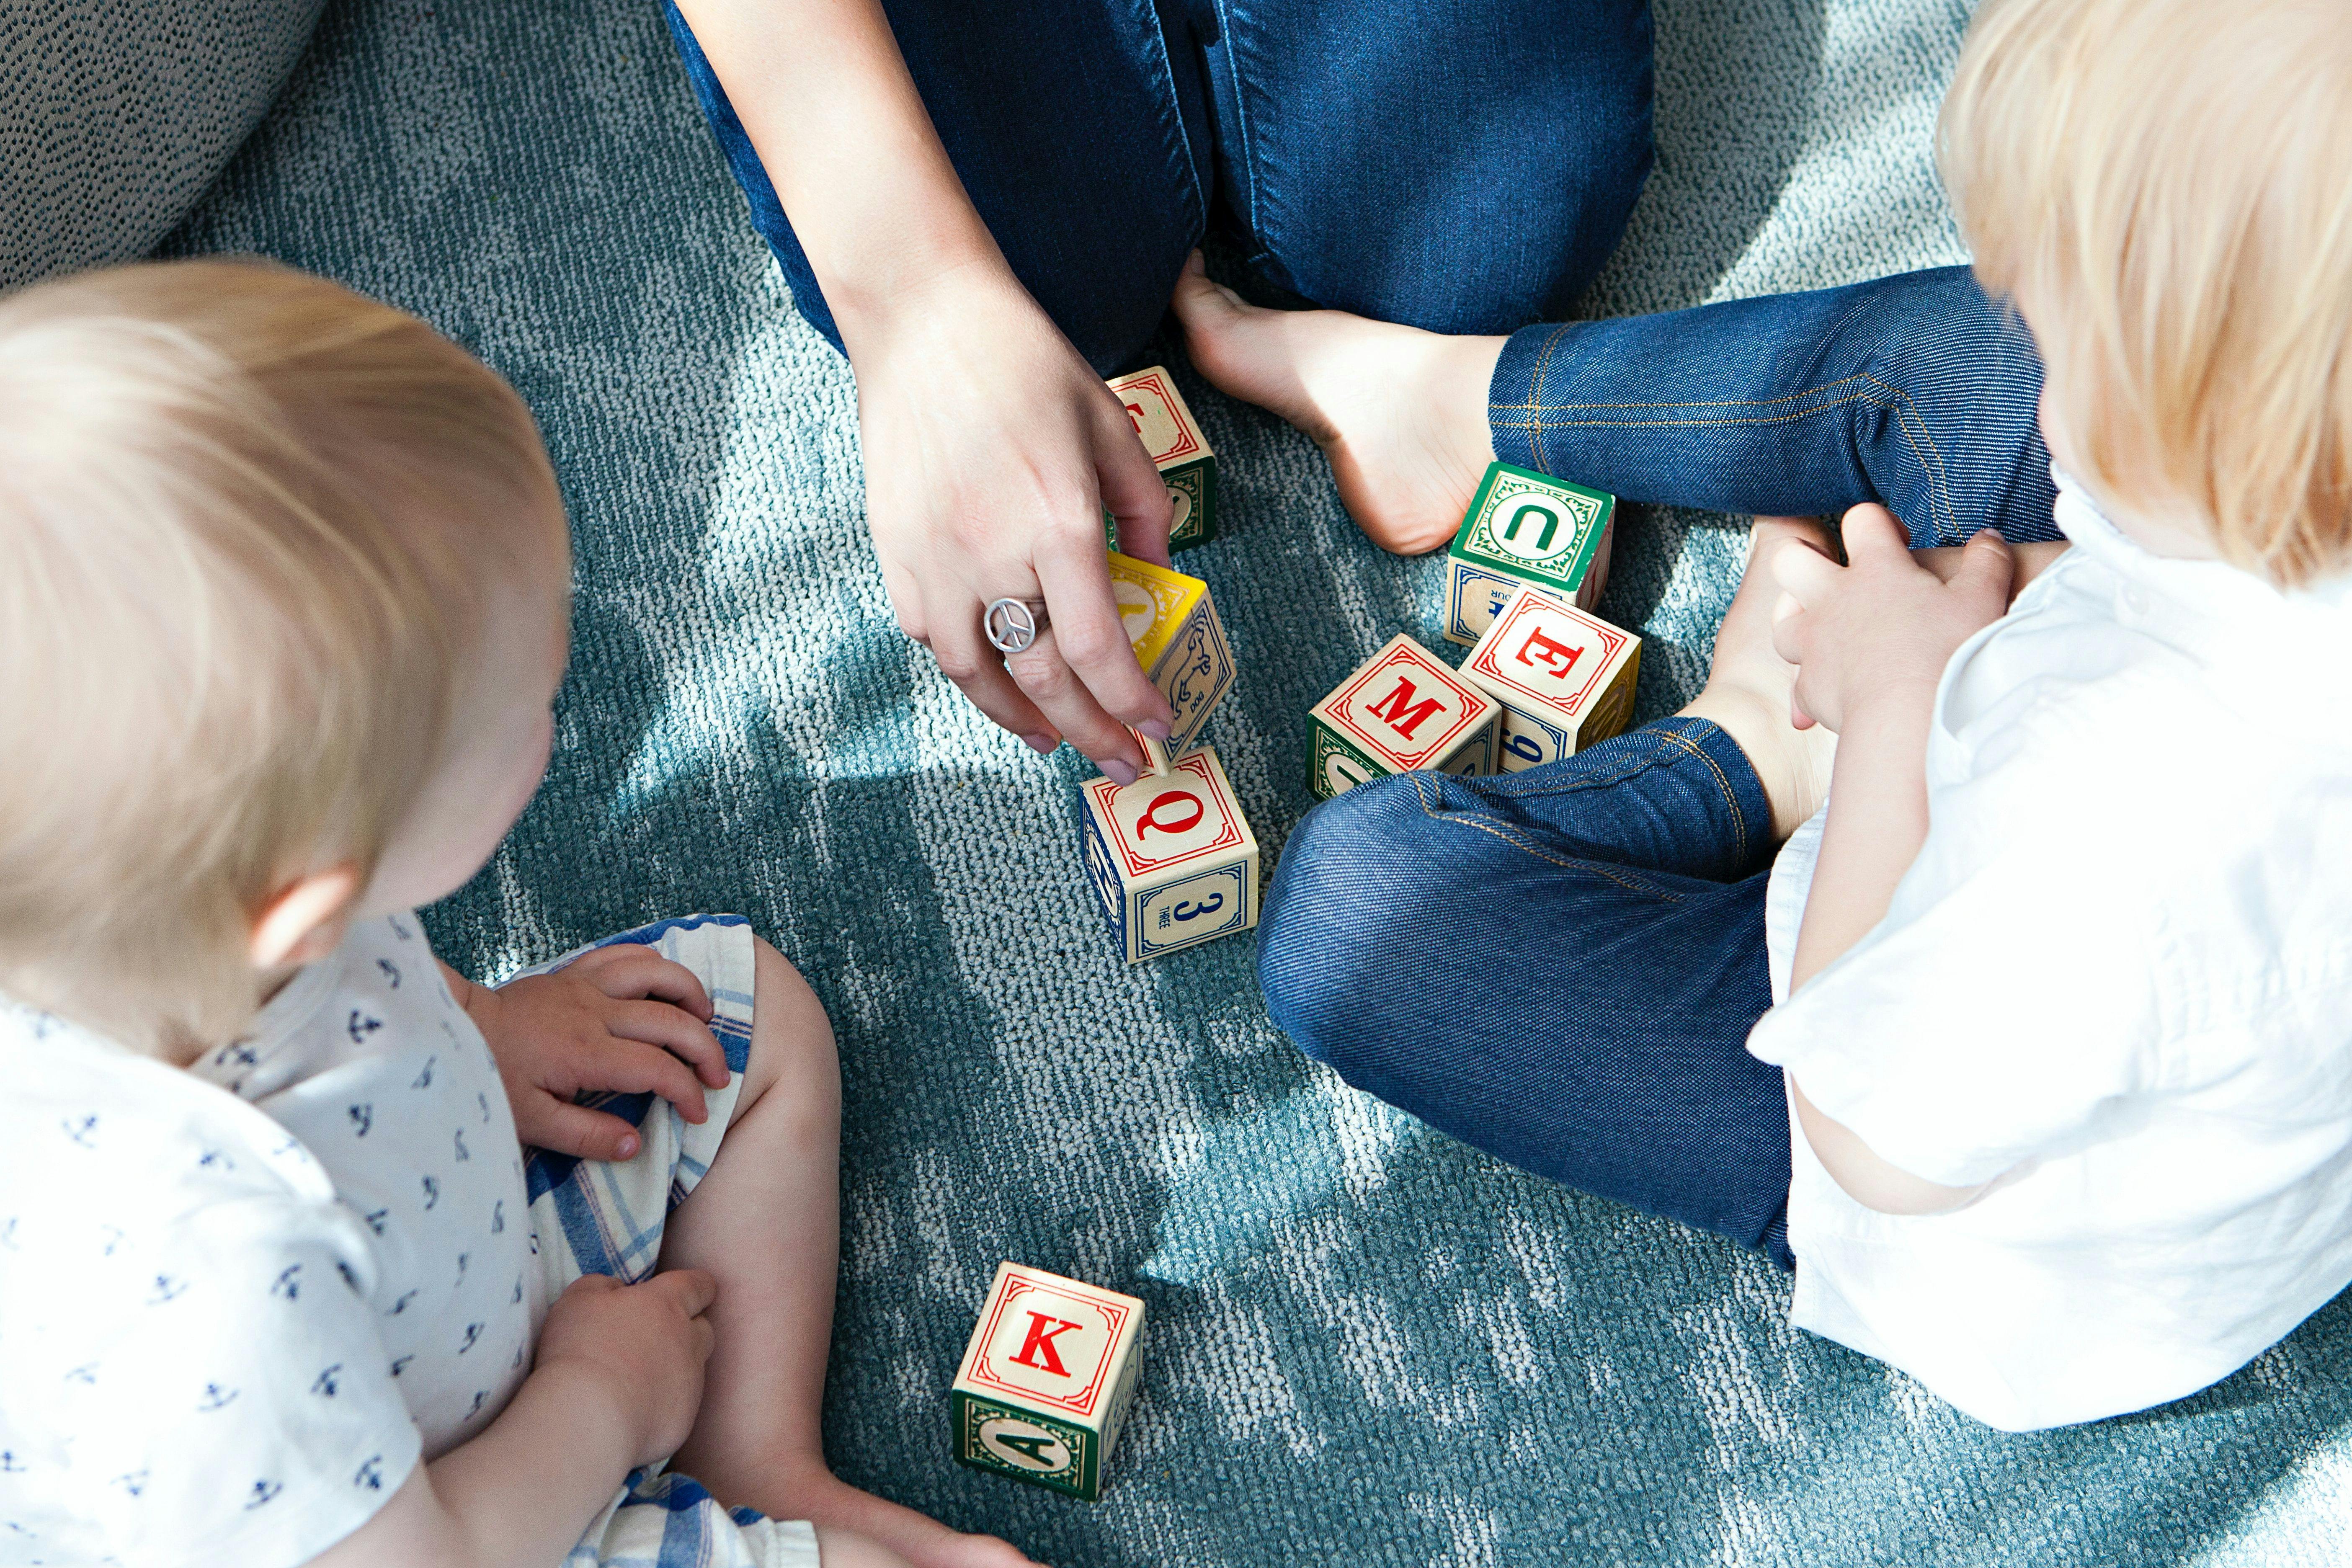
1460 165
1559 966
1915 391
1080 130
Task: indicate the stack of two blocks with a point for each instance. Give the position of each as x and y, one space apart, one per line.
1545 676
1170 855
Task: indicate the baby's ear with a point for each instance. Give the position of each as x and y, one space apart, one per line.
304 921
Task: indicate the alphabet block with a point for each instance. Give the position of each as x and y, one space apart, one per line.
1179 643
1525 529
1171 856
1047 1379
1401 709
1174 437
1565 680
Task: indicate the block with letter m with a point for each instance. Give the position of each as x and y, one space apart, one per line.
1402 709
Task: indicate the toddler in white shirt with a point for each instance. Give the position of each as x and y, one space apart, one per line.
285 608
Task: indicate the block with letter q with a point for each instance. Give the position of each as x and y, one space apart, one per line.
1171 857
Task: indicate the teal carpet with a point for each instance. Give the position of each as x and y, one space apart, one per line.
1369 1345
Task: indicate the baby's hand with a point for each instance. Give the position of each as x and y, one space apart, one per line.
1882 628
646 1344
622 1019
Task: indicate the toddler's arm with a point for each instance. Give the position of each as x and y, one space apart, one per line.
1871 641
615 1383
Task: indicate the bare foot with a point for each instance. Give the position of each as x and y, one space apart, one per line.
814 1493
1401 413
1750 686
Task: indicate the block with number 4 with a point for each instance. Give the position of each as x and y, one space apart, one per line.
1047 1379
1565 678
1171 856
1525 529
1402 709
1187 467
1179 643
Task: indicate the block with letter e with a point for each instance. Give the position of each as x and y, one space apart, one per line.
1525 529
1047 1379
1181 644
1170 855
1403 709
1187 467
1565 680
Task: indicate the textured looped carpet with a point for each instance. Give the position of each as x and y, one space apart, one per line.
1370 1345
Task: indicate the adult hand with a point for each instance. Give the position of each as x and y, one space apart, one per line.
991 450
620 1019
646 1344
1881 629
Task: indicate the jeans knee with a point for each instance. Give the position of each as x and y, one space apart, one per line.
1353 896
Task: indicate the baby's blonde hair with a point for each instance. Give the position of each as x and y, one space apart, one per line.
2164 186
242 510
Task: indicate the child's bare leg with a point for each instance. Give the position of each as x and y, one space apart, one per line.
1401 413
1749 686
766 1220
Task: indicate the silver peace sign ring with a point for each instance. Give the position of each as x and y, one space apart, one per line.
1012 625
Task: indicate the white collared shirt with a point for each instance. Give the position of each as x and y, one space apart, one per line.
2118 977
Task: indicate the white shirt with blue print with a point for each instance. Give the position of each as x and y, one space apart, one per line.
237 1303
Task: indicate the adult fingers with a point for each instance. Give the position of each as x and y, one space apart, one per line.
561 1127
1089 632
1047 677
1804 574
631 1067
967 658
683 1036
1870 529
1132 489
626 970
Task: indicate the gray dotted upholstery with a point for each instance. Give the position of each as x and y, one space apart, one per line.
115 115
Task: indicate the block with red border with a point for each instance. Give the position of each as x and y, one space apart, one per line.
1525 529
1565 678
1402 709
1171 856
1181 644
1187 467
1047 1380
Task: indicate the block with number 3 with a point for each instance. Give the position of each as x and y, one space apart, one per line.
1170 855
1187 467
1047 1380
1402 709
1525 529
1565 678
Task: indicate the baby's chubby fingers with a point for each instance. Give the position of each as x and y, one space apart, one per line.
680 1034
559 1126
624 1066
1871 535
626 971
1805 575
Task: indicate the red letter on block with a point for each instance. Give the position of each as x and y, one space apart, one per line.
1548 654
1403 714
1041 1342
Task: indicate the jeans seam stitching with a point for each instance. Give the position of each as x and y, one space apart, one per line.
1722 782
1938 496
1535 404
1591 867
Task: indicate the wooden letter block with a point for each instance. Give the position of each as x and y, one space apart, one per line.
1173 438
1047 1379
1179 643
1403 709
1565 678
1525 529
1171 856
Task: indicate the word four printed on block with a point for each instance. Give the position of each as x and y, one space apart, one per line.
1402 709
1164 422
1565 678
1172 623
1170 855
1047 1380
1525 529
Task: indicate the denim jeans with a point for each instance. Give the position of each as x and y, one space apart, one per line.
1913 391
1559 966
1467 170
